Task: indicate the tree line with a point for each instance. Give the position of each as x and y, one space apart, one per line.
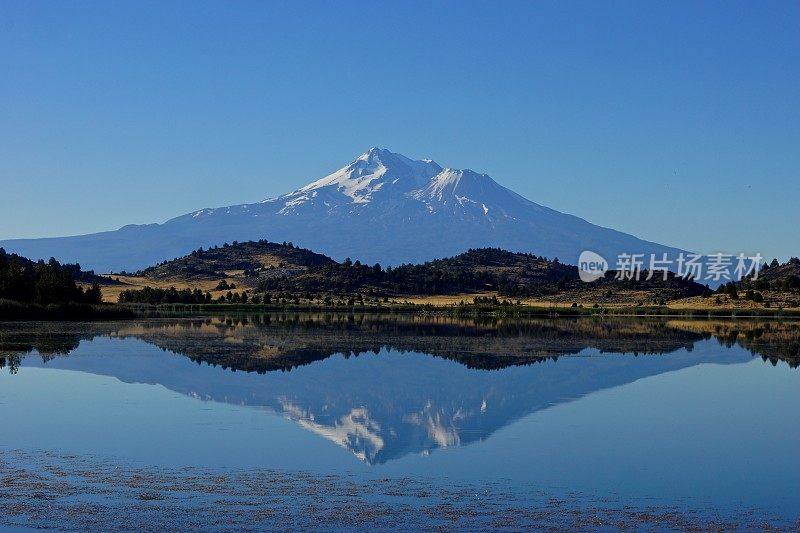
157 296
150 295
26 281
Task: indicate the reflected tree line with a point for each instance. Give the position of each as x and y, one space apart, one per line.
264 343
19 340
283 341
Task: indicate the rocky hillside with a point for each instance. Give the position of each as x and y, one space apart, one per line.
777 285
784 276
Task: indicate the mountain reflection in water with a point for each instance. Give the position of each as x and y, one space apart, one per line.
387 386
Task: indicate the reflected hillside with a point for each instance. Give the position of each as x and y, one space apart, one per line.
772 340
385 387
262 343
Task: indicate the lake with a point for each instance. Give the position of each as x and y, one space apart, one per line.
350 422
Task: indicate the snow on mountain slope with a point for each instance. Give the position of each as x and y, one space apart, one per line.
382 207
374 170
379 178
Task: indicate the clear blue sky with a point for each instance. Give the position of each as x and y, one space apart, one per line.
678 122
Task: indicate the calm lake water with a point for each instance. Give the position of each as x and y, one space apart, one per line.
377 422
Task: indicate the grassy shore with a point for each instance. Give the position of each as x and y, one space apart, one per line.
11 310
499 310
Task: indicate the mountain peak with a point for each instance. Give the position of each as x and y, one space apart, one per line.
373 153
382 206
375 170
389 159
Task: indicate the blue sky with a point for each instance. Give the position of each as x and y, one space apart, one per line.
678 122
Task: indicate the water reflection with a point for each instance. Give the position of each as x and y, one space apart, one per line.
387 386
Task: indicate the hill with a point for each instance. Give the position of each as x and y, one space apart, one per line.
248 259
382 207
777 285
270 268
510 274
478 270
784 276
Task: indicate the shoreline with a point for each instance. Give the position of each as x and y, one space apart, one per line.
470 310
16 311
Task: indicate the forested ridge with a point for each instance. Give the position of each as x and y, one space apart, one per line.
40 282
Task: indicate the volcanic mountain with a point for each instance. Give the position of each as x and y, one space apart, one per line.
383 207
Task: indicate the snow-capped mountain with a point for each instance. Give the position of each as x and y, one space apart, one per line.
383 207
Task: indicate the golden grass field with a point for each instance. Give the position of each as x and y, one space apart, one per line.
626 299
468 298
775 301
111 292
